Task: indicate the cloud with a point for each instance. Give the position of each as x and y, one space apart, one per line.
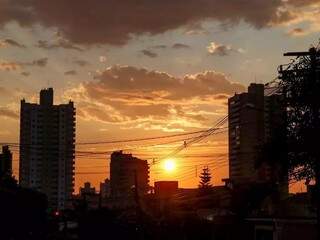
81 63
159 47
180 46
42 62
10 42
8 113
26 74
149 53
9 66
174 46
102 59
222 50
301 3
61 43
297 32
136 97
116 22
16 65
71 72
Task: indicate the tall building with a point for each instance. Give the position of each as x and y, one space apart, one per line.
47 148
125 172
253 119
5 162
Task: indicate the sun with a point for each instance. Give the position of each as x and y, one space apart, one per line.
169 165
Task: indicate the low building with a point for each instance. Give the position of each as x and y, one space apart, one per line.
126 173
5 161
283 228
89 196
165 189
290 218
87 189
105 190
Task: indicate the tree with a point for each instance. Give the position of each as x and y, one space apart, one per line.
205 179
300 83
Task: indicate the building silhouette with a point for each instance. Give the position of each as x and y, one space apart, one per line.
5 162
105 190
253 119
47 148
88 194
126 173
165 189
87 189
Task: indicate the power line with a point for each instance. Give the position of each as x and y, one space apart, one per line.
116 141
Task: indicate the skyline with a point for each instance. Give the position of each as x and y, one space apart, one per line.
147 74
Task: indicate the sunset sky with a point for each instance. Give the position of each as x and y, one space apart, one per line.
144 68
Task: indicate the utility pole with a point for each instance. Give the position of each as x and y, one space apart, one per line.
314 67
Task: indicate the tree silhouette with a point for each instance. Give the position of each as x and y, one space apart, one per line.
205 179
300 83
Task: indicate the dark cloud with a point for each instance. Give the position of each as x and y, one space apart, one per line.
42 62
174 46
180 46
71 72
11 42
26 74
60 44
81 63
296 32
149 53
6 112
115 22
127 78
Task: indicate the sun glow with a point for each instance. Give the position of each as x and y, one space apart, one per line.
169 165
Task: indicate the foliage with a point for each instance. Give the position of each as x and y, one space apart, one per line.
300 83
205 179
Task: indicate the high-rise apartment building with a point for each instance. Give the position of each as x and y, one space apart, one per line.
5 162
253 119
47 148
126 172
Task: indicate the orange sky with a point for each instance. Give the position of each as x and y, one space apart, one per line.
212 152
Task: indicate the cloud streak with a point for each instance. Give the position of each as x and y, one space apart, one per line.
149 53
180 46
70 73
8 113
17 65
10 42
62 43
